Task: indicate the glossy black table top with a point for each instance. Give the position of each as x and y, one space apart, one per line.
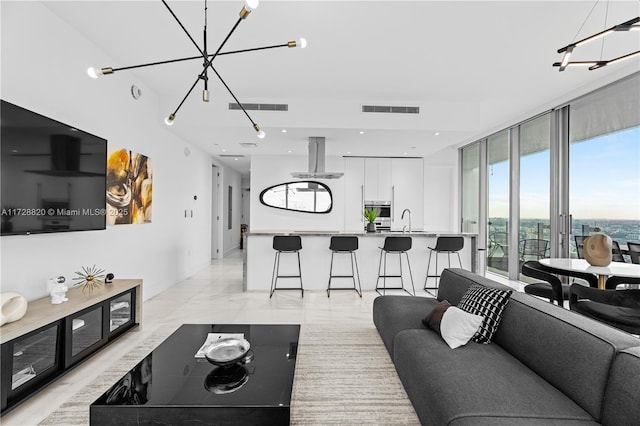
172 376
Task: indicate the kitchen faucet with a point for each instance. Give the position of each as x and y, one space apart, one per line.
402 217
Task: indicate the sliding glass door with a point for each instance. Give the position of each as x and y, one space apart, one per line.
604 157
564 174
535 160
498 202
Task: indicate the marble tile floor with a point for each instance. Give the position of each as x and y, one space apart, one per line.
213 295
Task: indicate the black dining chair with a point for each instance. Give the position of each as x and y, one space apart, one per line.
614 281
591 279
618 308
616 253
551 288
580 245
634 252
534 247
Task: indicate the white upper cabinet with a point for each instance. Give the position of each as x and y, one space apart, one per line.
407 177
398 180
377 176
354 194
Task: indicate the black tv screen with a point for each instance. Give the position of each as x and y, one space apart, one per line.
53 175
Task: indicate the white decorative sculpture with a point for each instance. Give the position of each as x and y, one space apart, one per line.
14 306
57 290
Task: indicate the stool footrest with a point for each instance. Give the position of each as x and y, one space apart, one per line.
288 276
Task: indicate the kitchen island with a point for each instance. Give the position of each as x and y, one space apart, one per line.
315 259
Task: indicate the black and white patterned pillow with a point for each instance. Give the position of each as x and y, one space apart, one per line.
488 302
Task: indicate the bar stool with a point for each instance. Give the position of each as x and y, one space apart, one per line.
443 245
285 244
345 244
394 245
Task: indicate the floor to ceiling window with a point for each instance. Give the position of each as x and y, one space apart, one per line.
498 202
470 181
578 171
535 153
604 172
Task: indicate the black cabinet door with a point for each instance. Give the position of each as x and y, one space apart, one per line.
29 361
120 313
84 333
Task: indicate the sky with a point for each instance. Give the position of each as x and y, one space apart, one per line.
604 180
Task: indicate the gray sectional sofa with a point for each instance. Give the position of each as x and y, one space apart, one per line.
545 366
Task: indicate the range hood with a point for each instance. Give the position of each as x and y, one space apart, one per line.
316 162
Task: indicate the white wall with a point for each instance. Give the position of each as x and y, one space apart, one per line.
43 69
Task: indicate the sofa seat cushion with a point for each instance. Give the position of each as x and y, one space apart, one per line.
392 314
622 398
475 381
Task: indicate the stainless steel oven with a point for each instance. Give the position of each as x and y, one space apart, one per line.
383 222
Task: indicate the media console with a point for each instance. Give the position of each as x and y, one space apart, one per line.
51 339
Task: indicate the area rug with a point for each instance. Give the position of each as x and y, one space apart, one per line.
344 375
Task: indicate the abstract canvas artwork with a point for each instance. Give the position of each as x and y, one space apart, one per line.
129 187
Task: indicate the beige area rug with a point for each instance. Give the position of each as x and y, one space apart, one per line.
344 376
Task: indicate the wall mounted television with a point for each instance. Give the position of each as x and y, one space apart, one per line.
53 175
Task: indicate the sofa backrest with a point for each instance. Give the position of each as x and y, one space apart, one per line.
622 397
454 283
568 350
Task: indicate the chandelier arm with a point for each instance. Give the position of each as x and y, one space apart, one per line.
188 93
231 52
191 58
184 29
234 96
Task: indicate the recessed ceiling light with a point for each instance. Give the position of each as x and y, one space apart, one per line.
436 134
362 132
224 150
14 150
284 130
235 159
348 152
405 153
289 151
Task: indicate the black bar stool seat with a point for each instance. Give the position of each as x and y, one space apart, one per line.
345 245
443 245
399 246
285 244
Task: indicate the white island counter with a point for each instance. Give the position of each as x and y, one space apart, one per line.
315 259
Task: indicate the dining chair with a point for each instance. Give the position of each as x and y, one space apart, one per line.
614 281
634 252
551 288
580 245
617 308
616 253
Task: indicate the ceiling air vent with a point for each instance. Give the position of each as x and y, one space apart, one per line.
260 107
248 144
231 156
391 109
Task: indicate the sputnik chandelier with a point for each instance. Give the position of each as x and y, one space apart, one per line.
207 66
630 25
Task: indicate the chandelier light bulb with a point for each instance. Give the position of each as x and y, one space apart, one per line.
303 43
93 72
251 4
261 134
169 120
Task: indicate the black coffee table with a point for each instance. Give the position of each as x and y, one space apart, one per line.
171 386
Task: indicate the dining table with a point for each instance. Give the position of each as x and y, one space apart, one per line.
620 269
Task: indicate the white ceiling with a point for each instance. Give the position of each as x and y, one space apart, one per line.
472 67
